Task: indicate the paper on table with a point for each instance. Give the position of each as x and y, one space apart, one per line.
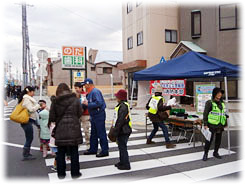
206 133
171 102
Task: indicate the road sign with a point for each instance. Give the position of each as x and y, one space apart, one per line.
42 61
78 76
73 57
42 55
162 60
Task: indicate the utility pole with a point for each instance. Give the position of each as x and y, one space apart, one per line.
25 39
28 56
24 55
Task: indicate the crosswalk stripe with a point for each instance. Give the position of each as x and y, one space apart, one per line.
135 142
198 174
6 119
133 152
136 166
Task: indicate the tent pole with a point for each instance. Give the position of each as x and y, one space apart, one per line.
227 112
132 94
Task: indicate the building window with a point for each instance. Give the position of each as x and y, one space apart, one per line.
107 70
227 17
140 38
130 42
138 3
170 36
196 24
129 7
92 68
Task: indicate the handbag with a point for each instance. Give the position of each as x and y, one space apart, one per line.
111 136
20 114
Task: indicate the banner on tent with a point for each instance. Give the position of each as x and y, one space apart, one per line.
170 87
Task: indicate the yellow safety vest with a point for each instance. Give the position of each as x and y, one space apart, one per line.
217 115
115 116
153 104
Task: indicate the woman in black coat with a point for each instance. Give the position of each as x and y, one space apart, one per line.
65 111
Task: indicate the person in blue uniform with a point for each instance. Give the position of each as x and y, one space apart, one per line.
96 107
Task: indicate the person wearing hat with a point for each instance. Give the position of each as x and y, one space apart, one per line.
214 119
85 119
155 107
122 129
96 108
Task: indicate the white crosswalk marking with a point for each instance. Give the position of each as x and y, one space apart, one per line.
7 112
136 166
198 174
169 158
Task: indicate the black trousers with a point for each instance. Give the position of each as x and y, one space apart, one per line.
61 162
123 152
217 142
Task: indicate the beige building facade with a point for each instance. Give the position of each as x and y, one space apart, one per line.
150 32
172 29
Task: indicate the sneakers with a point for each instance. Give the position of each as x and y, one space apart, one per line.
216 155
27 155
149 141
170 145
54 168
205 157
102 154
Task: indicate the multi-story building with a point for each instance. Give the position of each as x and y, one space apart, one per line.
215 31
150 32
171 30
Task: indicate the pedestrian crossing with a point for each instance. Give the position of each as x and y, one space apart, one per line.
7 112
147 160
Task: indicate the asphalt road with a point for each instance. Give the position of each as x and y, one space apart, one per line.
147 161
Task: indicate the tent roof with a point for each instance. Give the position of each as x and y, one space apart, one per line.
188 65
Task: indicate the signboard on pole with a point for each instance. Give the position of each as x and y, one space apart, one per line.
170 87
78 77
73 57
203 94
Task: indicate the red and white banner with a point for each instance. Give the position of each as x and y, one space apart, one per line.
170 87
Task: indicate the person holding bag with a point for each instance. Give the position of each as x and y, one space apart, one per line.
28 102
157 114
122 129
214 119
65 111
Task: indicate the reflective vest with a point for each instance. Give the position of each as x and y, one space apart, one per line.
217 116
153 104
115 116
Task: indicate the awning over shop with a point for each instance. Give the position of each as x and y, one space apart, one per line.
189 65
137 64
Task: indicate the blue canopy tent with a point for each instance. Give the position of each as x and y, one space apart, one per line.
191 65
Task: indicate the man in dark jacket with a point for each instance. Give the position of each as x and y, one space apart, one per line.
215 119
66 111
155 112
123 128
96 108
